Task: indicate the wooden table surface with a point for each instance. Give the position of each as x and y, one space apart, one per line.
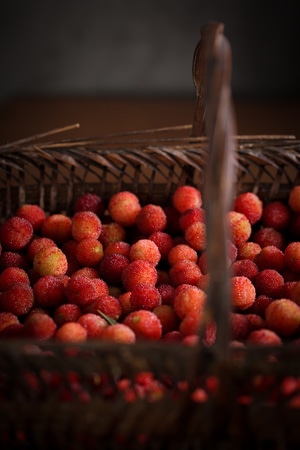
20 118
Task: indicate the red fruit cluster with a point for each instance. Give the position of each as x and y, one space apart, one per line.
128 271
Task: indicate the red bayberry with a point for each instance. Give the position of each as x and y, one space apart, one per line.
185 272
80 291
146 250
243 292
145 296
269 282
34 214
145 325
138 272
186 197
90 202
49 291
86 224
276 215
18 299
120 333
123 207
15 233
283 317
151 218
239 226
270 257
39 326
71 332
250 205
269 236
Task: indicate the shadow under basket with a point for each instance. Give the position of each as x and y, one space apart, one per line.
58 396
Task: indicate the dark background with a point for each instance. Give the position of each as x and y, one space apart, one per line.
140 47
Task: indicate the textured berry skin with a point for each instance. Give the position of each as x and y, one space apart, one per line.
57 227
94 325
13 259
138 272
106 304
89 252
269 236
18 299
50 261
270 257
67 312
80 291
250 205
34 214
121 247
15 233
145 296
195 235
292 256
11 275
190 216
145 325
181 252
276 215
243 292
111 268
90 202
164 242
185 272
37 244
49 292
85 224
245 268
112 232
248 250
269 282
239 226
167 293
123 208
186 197
283 317
150 219
146 250
188 299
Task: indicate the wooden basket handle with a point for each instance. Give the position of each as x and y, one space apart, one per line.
215 118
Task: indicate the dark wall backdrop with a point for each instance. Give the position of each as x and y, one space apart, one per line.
99 47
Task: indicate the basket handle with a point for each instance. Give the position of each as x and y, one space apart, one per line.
215 118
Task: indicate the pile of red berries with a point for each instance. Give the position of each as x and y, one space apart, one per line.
126 271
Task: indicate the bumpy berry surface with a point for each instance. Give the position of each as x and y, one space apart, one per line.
151 218
123 207
90 202
186 197
145 324
34 214
250 205
15 233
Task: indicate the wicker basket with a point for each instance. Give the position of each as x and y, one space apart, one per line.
66 396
